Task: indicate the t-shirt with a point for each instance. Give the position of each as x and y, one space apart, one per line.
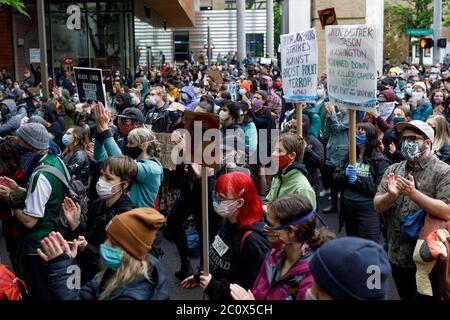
45 194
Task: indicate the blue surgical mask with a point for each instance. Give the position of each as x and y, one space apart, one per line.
361 139
408 91
111 257
66 140
242 91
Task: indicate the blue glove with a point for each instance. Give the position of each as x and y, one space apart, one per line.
350 173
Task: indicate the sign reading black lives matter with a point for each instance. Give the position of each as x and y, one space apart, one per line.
299 66
90 84
351 68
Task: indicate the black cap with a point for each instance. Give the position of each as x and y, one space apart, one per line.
208 98
132 114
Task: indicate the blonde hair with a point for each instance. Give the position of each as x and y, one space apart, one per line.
145 138
442 135
160 91
130 270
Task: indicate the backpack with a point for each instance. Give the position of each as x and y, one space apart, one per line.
11 287
75 190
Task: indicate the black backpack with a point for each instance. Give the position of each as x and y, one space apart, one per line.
74 189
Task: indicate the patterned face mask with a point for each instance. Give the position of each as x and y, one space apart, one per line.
411 150
125 127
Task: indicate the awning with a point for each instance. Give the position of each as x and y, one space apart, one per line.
177 13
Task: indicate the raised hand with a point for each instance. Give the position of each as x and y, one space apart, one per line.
101 117
4 193
54 245
406 186
239 293
10 183
391 183
72 212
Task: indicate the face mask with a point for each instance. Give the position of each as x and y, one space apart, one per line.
225 208
223 115
26 75
417 95
125 129
26 157
152 100
401 84
257 103
185 97
398 120
104 189
309 295
4 112
133 152
320 93
111 257
242 91
360 139
283 161
16 86
174 116
411 150
66 140
408 91
438 100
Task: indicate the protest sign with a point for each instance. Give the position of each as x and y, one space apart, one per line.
265 61
90 84
166 145
299 66
35 55
204 146
351 66
215 75
232 88
385 109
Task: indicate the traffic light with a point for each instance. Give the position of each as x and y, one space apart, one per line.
426 43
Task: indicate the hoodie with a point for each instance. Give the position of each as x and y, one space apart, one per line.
292 181
10 123
127 102
191 93
270 285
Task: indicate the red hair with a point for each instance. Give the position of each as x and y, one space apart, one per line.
232 184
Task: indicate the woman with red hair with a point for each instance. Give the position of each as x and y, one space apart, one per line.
240 247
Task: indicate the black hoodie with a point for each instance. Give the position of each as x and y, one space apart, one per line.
229 265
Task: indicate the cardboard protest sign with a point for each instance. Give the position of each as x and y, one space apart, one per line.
204 143
351 66
385 109
166 145
299 66
90 84
215 75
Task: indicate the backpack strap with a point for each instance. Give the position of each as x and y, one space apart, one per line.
244 237
55 172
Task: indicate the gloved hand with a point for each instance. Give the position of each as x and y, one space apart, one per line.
350 173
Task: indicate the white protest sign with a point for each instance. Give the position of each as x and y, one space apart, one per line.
35 55
233 91
351 66
385 109
299 66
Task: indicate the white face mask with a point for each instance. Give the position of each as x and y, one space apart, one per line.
225 208
417 95
223 115
104 189
152 100
320 93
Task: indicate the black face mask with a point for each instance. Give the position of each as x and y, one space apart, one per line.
4 112
133 152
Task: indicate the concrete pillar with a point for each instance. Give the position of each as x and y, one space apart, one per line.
43 46
437 23
240 19
269 28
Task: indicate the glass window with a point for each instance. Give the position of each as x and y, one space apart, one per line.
255 44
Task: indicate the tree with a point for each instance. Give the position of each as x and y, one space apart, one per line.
17 4
277 23
415 14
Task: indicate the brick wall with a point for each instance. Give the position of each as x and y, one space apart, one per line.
6 42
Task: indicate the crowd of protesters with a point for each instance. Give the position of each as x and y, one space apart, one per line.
82 186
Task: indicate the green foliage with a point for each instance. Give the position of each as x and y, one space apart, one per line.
277 24
17 4
446 22
417 14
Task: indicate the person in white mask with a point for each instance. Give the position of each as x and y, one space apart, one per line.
117 176
421 107
240 247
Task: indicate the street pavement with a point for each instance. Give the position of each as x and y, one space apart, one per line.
171 262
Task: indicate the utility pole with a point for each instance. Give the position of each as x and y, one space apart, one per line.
209 45
43 46
240 17
437 22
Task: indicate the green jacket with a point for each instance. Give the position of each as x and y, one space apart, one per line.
292 181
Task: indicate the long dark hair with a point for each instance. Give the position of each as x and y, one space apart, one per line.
372 139
9 161
80 140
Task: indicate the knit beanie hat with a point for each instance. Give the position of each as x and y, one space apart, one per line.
35 134
351 268
135 230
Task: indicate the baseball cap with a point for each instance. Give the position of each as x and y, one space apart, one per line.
132 114
417 125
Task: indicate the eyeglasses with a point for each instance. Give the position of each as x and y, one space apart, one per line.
412 138
218 199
